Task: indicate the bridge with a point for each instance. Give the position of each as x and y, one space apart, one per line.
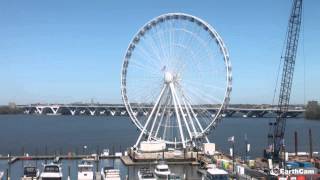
120 110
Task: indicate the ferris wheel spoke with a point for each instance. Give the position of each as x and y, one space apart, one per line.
170 38
197 83
163 45
204 96
155 50
150 58
195 117
205 114
202 46
148 72
189 116
188 104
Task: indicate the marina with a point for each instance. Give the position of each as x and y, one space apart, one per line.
102 167
70 158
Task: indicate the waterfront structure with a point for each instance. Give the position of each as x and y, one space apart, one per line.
120 110
176 63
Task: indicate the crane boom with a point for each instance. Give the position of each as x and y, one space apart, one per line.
277 138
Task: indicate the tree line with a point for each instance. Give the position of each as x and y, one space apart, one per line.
10 110
312 110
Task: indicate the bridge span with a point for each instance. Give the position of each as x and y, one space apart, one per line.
120 110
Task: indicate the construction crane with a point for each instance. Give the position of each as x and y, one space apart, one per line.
277 130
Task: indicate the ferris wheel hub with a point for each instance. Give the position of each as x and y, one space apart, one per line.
168 77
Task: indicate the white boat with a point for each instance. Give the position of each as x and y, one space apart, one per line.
215 174
51 172
105 153
1 174
162 170
85 171
146 174
30 173
174 177
52 114
109 173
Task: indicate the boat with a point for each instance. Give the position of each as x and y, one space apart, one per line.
30 173
105 153
174 177
146 174
110 173
53 114
1 174
216 174
51 172
85 171
162 170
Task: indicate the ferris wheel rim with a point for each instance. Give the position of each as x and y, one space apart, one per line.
214 35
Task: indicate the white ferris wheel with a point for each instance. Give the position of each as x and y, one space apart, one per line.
176 79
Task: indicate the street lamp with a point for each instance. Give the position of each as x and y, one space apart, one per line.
84 149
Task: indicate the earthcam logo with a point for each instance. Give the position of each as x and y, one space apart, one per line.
296 171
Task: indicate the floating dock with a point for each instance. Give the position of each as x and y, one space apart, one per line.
13 159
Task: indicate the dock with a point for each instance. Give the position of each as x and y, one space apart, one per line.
130 162
13 159
98 176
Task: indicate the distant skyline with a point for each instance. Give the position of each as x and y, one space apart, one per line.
72 51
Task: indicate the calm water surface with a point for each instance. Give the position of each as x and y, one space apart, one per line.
62 134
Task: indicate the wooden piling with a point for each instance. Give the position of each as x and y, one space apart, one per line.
296 143
310 144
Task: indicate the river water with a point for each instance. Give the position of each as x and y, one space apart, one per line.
36 134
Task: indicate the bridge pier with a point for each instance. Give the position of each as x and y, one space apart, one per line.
261 114
39 109
55 109
230 113
92 112
73 112
112 113
82 112
27 111
135 113
145 113
102 112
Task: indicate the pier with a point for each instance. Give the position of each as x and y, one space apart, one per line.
13 159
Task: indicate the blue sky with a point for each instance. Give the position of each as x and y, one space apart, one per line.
71 51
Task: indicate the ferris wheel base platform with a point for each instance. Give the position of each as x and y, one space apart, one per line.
175 157
128 161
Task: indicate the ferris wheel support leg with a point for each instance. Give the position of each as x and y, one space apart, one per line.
162 115
206 138
155 119
165 127
149 118
182 113
178 116
195 117
189 115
